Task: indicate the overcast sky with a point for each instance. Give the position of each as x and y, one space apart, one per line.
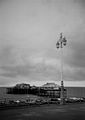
29 30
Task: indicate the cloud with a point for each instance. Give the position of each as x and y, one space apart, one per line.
76 48
6 56
41 68
29 31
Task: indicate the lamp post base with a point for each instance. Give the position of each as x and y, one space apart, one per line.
62 101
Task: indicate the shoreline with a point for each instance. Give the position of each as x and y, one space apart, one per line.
8 107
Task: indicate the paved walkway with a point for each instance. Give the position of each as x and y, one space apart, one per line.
46 112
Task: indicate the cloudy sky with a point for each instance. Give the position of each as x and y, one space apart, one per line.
29 30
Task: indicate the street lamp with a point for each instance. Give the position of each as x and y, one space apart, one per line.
60 44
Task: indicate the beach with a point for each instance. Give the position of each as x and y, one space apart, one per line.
46 112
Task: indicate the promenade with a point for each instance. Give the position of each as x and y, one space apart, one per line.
46 112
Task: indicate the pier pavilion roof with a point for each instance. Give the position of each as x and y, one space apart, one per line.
51 85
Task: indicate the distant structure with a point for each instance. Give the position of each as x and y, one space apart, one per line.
22 86
51 90
19 89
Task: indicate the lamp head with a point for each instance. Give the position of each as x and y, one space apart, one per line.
64 41
57 44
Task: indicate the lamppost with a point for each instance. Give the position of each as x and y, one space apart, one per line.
60 44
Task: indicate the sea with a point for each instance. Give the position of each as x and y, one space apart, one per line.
71 92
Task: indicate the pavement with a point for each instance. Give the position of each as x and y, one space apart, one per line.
45 112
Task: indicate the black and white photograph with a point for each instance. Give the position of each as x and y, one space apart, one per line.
42 59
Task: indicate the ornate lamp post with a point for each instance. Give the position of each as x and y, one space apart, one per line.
60 44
